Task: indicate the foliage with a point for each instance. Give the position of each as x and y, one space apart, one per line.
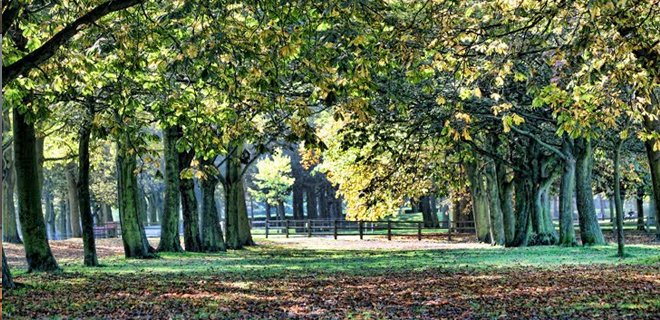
273 180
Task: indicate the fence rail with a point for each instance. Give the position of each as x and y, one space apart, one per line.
336 228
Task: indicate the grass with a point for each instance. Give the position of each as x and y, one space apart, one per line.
272 258
281 279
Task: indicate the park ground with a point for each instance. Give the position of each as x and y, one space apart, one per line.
345 278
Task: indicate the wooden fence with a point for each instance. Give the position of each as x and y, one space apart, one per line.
336 228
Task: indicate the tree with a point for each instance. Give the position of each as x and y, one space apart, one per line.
273 180
37 251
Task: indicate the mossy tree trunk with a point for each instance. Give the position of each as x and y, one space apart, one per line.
566 192
506 199
212 240
236 218
37 251
83 192
7 280
191 232
590 231
654 166
74 200
134 237
9 222
497 234
479 201
169 235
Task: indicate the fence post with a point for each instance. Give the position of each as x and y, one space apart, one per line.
389 230
419 231
266 224
335 230
309 228
361 226
449 237
286 227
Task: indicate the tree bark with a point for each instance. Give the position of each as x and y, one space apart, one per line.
590 231
311 202
7 281
9 221
134 237
63 225
268 209
298 211
74 200
50 47
506 199
429 213
84 198
479 202
236 221
566 191
495 206
640 208
191 232
212 240
654 166
37 251
617 199
169 235
50 214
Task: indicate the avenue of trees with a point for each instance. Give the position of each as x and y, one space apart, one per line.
153 108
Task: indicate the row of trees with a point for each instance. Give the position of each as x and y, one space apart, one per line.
427 97
515 101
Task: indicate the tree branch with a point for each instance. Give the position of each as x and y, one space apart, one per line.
48 49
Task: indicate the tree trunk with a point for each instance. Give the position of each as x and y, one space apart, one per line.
495 205
142 206
590 232
566 191
429 212
153 208
9 221
237 224
169 235
244 227
654 165
74 200
63 225
191 232
479 202
50 214
268 209
617 199
84 198
311 202
298 211
132 228
611 208
37 251
640 208
523 211
506 200
7 281
212 240
280 210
